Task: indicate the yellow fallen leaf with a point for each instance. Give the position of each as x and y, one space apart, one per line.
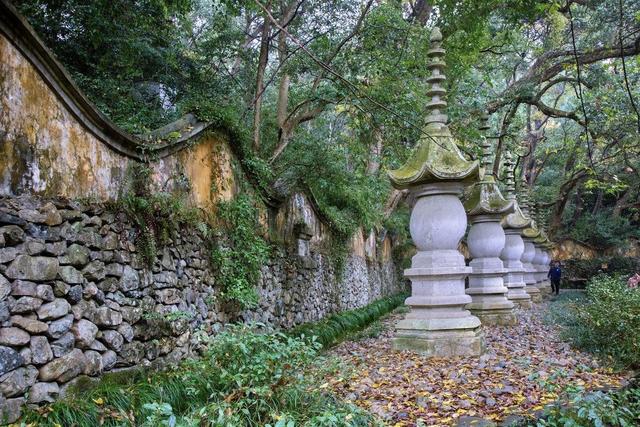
98 401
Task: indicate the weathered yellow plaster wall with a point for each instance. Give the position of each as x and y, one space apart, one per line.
208 167
572 249
43 149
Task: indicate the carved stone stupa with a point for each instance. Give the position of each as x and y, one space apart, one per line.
511 255
485 207
435 174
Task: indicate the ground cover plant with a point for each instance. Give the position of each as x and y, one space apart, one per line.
248 375
337 327
615 409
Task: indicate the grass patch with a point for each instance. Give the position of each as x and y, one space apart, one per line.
248 376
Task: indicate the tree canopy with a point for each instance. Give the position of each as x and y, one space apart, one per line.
329 93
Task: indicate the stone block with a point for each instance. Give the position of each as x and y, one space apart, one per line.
40 349
43 393
10 359
54 310
32 326
64 368
36 268
14 337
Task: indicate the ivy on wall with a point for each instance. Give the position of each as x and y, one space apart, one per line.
156 215
239 251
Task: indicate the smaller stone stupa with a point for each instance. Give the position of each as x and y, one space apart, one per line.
514 223
485 207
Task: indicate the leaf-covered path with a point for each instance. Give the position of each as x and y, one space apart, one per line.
524 368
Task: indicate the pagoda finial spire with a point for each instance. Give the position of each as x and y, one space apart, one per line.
524 197
487 156
437 105
509 165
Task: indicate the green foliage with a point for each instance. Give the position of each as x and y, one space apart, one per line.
617 409
336 327
397 225
246 377
587 268
345 195
128 57
240 251
603 230
607 322
156 215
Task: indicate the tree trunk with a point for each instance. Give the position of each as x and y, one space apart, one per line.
561 203
579 207
598 204
375 152
262 65
621 203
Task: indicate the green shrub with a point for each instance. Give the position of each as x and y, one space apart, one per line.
619 409
240 251
587 268
335 328
607 322
247 377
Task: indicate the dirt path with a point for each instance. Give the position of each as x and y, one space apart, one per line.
525 367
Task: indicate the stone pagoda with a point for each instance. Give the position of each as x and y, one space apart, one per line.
529 235
436 174
542 258
485 208
513 224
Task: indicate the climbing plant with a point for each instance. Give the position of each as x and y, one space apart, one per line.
156 215
239 252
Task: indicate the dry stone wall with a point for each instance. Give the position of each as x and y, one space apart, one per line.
77 300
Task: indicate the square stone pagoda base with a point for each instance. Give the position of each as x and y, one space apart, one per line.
522 303
534 293
429 338
496 317
441 343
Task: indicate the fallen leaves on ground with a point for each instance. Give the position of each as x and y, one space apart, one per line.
525 367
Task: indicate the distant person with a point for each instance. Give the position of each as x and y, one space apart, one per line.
633 281
555 274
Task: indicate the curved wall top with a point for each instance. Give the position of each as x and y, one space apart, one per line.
22 36
55 142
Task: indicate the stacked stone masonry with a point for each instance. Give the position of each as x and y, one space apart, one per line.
76 300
